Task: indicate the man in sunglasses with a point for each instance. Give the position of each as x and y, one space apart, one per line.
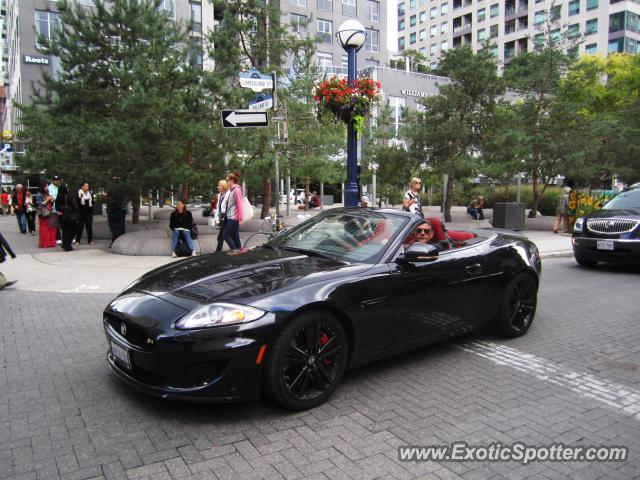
424 234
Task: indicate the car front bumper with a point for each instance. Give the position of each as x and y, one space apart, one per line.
207 365
624 250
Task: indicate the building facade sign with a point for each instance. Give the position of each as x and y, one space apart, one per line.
415 93
35 59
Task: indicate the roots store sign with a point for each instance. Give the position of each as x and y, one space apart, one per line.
35 60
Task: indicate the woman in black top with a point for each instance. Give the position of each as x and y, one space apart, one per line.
181 222
67 210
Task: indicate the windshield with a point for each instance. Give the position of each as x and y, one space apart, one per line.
359 237
628 199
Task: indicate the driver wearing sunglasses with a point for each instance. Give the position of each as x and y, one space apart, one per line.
423 233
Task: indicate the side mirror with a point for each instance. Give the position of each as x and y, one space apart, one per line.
420 252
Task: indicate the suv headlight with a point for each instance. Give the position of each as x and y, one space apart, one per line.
219 314
579 225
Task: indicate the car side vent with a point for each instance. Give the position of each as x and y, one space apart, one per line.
613 226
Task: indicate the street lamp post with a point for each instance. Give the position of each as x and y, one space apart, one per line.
351 36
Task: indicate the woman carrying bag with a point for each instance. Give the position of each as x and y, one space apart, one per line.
67 210
47 220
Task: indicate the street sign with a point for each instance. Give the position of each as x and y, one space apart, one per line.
256 81
7 147
261 102
244 118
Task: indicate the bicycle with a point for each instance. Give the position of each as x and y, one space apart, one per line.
273 227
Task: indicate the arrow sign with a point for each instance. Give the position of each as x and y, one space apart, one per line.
244 118
255 80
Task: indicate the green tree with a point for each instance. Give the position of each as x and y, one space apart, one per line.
448 134
126 103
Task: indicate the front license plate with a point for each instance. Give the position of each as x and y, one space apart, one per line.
604 245
121 354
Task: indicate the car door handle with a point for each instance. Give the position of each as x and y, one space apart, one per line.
473 268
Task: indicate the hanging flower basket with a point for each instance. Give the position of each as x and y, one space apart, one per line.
346 102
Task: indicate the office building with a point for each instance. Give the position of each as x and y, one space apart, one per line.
514 26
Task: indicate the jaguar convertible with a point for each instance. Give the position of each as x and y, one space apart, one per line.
286 319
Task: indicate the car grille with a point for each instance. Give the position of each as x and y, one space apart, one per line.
134 335
613 226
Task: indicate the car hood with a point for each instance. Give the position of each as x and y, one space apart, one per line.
242 278
612 213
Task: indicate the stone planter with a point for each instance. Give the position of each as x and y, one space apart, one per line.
509 215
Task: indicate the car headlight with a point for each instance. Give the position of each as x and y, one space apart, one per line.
579 225
219 314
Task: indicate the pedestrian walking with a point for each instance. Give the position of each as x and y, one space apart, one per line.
67 211
5 249
85 213
562 211
412 202
220 212
19 202
475 208
4 203
47 219
53 191
235 212
30 213
117 203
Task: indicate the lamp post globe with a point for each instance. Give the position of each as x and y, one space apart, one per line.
351 36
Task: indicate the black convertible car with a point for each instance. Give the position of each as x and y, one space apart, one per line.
286 319
611 234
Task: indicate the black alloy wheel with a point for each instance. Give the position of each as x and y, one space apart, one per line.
518 308
307 361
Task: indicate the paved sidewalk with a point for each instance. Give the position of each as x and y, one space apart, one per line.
95 268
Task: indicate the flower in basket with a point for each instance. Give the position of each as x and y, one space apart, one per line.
347 102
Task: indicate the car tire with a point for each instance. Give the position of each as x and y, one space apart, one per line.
518 307
584 262
307 361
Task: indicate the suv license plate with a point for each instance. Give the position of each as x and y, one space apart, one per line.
121 354
604 245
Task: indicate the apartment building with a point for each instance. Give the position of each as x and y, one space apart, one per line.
513 26
321 19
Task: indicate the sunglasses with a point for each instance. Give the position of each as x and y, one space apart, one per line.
423 230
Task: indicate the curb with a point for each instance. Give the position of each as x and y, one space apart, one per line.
559 254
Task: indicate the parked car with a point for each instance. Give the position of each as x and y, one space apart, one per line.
286 319
611 234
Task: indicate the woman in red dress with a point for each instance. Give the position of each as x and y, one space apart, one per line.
46 234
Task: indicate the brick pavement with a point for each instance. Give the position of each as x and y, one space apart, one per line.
62 415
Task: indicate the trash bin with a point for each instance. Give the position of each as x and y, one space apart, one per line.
508 215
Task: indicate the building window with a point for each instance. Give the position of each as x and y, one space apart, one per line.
538 41
300 3
401 9
412 21
373 10
591 49
481 15
591 26
299 25
412 4
482 35
325 29
46 23
631 45
196 17
444 46
616 46
444 9
349 8
433 49
555 36
433 31
195 52
616 22
372 43
412 38
401 44
591 4
325 60
624 21
423 33
168 7
325 5
573 31
574 7
444 27
397 106
494 51
401 24
423 17
371 62
556 11
433 12
493 31
494 10
538 17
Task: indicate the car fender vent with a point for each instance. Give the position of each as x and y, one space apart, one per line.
612 226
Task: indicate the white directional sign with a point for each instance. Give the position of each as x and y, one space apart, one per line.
244 118
256 81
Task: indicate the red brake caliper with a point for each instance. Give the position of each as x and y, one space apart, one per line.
324 338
